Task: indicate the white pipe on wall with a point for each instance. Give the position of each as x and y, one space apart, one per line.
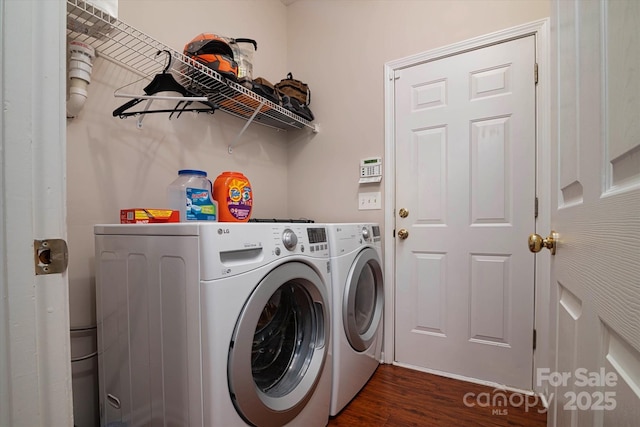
80 67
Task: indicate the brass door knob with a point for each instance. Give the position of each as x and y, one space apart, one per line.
537 242
403 233
403 213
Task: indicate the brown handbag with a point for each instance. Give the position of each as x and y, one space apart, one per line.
294 89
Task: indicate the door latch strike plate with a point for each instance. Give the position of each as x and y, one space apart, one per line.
50 256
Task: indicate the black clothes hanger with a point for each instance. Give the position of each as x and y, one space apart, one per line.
164 82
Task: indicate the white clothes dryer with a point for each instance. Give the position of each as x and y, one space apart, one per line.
214 324
358 304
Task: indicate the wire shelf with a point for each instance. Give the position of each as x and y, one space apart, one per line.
120 43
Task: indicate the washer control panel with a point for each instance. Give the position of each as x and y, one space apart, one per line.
234 248
293 238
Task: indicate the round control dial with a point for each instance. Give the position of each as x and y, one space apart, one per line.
365 233
289 239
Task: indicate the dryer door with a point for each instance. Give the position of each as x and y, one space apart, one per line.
279 345
363 300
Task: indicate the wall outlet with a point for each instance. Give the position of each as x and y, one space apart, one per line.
368 201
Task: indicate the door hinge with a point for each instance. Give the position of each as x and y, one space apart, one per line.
50 256
535 336
535 73
535 208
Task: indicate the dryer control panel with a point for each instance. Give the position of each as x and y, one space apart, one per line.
348 237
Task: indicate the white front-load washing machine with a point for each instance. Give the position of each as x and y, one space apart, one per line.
358 304
213 324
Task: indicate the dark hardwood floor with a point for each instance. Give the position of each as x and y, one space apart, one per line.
404 397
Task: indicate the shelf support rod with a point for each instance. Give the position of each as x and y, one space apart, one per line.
146 107
246 125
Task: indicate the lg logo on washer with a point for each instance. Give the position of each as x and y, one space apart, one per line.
223 231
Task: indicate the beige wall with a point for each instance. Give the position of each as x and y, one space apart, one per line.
338 47
112 165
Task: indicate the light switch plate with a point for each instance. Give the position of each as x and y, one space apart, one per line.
367 201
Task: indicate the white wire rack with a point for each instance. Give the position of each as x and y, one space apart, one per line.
120 43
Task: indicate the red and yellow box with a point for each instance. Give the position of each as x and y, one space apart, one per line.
148 216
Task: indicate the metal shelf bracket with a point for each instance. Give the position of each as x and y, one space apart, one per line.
246 125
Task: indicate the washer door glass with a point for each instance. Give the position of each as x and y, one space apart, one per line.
278 347
363 300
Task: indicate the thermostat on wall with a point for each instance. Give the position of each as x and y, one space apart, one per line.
371 170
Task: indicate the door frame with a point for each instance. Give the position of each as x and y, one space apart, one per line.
35 353
542 323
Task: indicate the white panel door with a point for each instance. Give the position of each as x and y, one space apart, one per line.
596 213
465 172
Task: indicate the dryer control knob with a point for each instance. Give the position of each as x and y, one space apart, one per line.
289 239
365 233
